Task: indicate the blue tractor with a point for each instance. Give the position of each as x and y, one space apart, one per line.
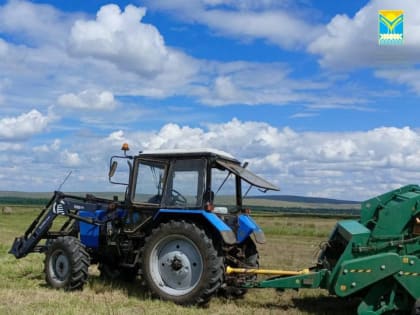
180 223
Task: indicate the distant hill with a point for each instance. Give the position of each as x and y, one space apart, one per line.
301 199
42 198
21 194
48 195
266 203
288 198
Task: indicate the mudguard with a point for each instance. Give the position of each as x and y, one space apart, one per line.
225 231
248 227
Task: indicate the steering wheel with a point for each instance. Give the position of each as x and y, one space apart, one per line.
178 198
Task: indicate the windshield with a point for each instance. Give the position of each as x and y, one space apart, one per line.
149 183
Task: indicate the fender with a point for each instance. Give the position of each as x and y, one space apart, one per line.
225 231
247 227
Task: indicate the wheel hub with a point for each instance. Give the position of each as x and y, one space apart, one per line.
178 265
60 265
175 270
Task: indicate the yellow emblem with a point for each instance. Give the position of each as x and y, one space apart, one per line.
391 27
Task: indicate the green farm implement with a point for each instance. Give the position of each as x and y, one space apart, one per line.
375 258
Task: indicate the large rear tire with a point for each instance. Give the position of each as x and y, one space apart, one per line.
66 264
181 263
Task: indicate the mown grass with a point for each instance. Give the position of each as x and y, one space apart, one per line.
292 243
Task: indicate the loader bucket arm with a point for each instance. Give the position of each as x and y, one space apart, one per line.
25 244
65 205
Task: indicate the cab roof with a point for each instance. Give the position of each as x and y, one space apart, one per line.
202 152
222 158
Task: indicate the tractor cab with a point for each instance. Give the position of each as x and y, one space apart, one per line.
205 179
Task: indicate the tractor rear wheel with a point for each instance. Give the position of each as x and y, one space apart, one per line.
66 264
181 263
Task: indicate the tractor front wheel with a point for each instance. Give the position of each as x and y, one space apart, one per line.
181 263
66 264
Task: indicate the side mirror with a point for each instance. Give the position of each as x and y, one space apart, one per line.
120 174
112 169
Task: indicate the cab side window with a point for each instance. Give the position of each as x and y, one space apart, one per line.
224 188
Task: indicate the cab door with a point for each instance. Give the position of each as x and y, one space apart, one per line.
147 189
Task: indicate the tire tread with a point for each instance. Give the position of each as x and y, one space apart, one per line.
79 263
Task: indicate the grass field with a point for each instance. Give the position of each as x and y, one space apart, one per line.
292 243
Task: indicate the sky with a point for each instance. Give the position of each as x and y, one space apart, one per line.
300 89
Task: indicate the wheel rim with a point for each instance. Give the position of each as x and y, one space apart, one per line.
59 266
176 265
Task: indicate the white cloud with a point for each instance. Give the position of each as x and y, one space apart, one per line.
225 89
349 165
47 153
304 162
117 49
116 138
304 115
37 70
278 27
70 159
350 42
88 99
252 83
23 126
53 147
4 146
30 69
408 77
3 47
269 20
36 23
174 136
122 39
251 4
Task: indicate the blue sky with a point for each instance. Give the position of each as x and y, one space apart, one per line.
300 89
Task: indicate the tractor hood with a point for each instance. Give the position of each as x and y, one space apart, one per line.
248 176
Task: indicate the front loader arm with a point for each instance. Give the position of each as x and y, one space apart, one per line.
25 244
60 204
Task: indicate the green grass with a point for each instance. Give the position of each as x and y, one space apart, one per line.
297 226
292 243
